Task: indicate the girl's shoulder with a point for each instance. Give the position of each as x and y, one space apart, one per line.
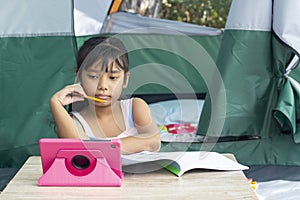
135 102
139 103
141 112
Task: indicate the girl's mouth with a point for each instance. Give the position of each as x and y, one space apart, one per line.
104 97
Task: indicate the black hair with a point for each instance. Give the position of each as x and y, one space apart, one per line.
103 51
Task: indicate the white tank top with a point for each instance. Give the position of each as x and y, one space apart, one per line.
126 108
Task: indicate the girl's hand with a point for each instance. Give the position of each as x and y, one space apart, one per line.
69 94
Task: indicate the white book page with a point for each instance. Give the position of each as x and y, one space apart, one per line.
186 160
207 160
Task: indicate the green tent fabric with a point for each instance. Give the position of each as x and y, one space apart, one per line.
37 58
286 56
287 110
26 84
262 100
160 54
246 69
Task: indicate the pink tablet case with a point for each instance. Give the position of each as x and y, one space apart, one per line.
74 162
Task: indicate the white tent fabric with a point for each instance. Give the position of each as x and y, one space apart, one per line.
286 22
250 15
53 17
89 16
48 18
122 22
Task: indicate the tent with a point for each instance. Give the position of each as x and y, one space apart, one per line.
41 51
247 73
251 108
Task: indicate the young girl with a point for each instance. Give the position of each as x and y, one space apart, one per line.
103 73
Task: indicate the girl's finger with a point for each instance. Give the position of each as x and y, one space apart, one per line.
79 89
77 98
75 90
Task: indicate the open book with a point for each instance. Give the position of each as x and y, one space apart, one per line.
178 162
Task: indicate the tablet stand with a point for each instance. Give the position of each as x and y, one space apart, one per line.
80 168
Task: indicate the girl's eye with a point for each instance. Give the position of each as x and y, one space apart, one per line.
92 76
113 77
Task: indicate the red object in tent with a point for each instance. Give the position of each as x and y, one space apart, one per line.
181 128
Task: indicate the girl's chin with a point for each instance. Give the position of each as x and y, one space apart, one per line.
102 103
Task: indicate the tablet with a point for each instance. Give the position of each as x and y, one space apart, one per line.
80 162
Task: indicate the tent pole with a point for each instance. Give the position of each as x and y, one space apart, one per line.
115 6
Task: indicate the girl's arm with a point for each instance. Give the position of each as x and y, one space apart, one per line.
148 138
66 128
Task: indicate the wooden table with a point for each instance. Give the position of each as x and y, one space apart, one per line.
195 184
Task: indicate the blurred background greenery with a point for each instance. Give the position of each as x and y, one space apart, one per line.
211 13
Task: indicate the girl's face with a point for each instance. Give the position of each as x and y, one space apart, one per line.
107 85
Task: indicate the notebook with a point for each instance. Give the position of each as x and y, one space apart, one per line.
75 162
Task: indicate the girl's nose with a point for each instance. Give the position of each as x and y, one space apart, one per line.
102 84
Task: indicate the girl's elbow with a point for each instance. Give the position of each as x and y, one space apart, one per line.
154 144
